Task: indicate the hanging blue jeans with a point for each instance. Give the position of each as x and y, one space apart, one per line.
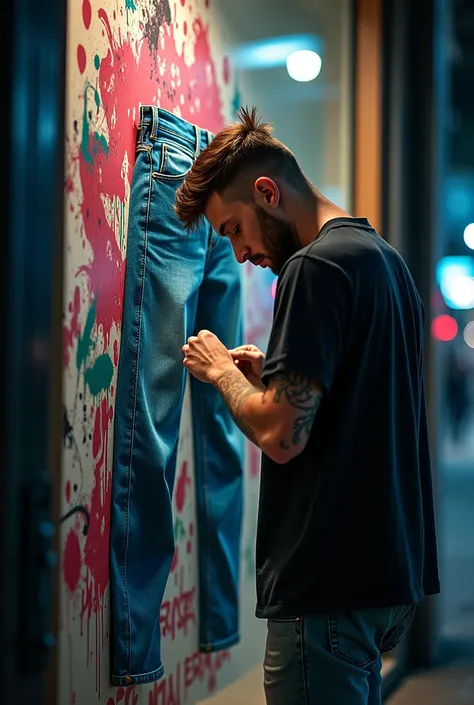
175 285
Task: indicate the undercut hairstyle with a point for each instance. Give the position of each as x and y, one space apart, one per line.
238 155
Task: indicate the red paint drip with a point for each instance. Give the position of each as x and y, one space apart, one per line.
96 551
175 559
72 561
67 491
86 13
181 487
81 58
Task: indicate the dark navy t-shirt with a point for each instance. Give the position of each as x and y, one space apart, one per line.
349 523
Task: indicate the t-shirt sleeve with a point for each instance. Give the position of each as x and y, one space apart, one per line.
310 320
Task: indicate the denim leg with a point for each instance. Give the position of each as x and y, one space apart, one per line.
324 660
285 678
375 683
219 460
163 273
330 659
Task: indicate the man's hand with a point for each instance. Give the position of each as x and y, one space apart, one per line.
249 359
206 357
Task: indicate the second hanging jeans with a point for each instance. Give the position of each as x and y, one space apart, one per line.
175 285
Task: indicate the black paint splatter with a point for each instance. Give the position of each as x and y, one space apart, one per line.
80 509
68 435
69 441
152 25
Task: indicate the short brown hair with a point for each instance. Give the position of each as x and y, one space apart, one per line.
237 152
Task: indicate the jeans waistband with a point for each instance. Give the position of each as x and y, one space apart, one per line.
161 123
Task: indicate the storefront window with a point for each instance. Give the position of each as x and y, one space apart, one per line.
453 330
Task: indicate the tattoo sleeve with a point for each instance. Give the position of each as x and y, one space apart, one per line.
235 389
302 394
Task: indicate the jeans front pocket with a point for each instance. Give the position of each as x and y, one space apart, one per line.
174 162
350 640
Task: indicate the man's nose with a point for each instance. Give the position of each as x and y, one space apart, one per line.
241 254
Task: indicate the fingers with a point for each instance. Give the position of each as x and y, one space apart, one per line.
249 348
251 355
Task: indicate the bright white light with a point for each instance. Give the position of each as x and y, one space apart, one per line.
303 65
469 235
459 290
468 334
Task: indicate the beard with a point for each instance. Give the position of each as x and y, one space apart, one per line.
279 239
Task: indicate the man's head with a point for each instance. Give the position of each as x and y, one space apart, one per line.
239 183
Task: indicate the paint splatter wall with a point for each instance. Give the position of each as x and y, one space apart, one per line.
123 53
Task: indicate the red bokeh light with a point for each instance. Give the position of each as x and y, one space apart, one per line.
444 328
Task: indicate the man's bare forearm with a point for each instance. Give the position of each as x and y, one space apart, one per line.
236 390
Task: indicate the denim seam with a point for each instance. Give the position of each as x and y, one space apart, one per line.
207 647
155 137
334 639
300 631
134 411
139 679
207 576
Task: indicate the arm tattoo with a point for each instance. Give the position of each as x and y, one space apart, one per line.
235 389
301 393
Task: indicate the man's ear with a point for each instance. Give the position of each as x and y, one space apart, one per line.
266 193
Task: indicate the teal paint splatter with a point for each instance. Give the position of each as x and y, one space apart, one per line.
85 344
102 142
130 5
99 377
179 530
99 140
236 100
85 132
97 61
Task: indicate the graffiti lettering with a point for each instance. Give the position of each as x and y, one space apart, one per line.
197 667
177 613
124 696
168 690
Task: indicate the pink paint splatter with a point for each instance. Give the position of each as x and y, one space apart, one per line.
181 487
254 460
86 13
72 561
71 332
81 58
175 559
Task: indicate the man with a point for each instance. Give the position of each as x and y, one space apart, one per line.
346 542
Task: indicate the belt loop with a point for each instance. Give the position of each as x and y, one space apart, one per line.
198 141
155 122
